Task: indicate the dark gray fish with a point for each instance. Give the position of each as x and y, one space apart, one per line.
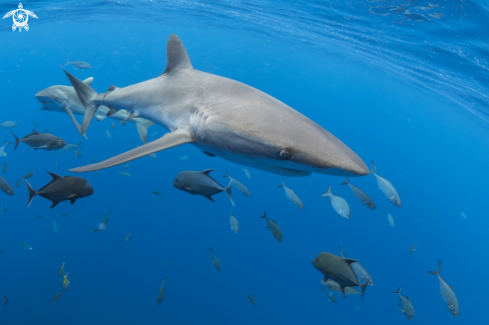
5 187
274 229
252 299
5 167
201 183
216 261
8 124
162 291
405 304
387 188
361 195
79 64
290 194
61 189
359 270
339 270
42 141
447 293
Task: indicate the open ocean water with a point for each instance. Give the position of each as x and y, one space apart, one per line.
402 83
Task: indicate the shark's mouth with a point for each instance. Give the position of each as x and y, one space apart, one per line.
285 171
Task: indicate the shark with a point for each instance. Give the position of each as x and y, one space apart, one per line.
222 117
64 99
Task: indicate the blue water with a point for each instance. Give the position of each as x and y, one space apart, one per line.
407 92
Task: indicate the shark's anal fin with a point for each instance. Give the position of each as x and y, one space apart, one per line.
167 141
73 119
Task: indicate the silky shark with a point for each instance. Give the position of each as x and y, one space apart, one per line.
222 117
65 100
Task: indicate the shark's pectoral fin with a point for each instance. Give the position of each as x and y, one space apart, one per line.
86 94
73 119
167 141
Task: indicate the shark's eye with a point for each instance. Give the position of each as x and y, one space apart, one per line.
285 154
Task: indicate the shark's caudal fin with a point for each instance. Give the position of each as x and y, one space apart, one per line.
86 95
177 57
167 141
142 126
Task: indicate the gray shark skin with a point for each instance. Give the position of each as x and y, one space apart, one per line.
223 117
64 99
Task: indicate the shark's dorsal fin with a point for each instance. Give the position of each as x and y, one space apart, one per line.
88 81
177 56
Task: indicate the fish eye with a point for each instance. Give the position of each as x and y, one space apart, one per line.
285 154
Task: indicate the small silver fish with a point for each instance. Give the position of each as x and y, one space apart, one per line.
330 295
162 291
245 171
290 194
77 153
123 174
412 249
447 293
361 195
112 123
359 270
273 227
26 246
215 260
8 124
339 204
405 304
243 189
152 155
79 64
390 218
109 135
387 188
233 222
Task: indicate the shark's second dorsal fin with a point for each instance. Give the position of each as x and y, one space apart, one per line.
177 56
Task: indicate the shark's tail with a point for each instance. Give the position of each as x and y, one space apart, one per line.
16 140
228 191
142 126
32 192
86 95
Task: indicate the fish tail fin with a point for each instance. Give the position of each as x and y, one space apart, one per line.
211 249
79 145
328 192
32 192
227 173
264 215
230 193
67 62
142 126
342 255
85 94
347 182
364 287
16 140
373 168
283 182
398 292
437 272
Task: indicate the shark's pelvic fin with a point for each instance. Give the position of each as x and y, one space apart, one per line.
86 94
142 126
177 57
167 141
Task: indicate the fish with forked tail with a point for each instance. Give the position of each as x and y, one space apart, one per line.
387 188
447 293
61 189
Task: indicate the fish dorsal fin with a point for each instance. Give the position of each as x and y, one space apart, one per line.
88 81
35 132
207 171
54 176
112 87
177 56
350 260
407 297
